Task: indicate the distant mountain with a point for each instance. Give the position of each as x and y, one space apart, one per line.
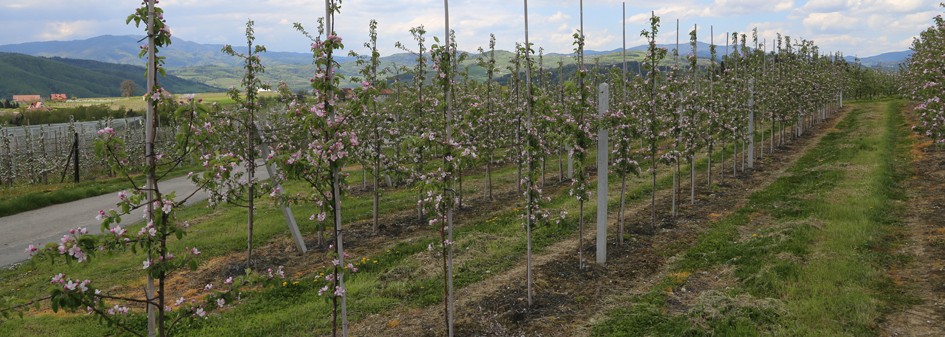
24 74
885 60
207 64
124 50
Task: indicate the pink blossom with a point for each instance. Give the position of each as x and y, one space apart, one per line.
117 230
84 286
57 279
117 310
76 252
106 131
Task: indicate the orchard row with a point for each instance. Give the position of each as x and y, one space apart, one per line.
428 132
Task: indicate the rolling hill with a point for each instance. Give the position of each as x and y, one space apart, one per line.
885 60
206 64
124 50
24 74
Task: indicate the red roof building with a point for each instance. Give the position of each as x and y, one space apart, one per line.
58 97
27 98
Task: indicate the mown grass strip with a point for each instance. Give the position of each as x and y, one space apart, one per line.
813 262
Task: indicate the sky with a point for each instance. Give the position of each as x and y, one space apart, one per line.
853 27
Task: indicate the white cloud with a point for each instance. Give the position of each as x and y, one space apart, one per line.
738 7
66 30
830 22
558 17
881 25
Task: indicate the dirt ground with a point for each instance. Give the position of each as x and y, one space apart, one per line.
393 227
566 297
924 236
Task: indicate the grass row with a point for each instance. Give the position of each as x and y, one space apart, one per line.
813 262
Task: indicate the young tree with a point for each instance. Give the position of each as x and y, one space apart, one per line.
441 183
693 118
487 120
651 123
370 120
419 136
128 88
230 140
320 143
579 127
161 227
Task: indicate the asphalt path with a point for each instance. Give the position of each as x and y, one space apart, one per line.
49 224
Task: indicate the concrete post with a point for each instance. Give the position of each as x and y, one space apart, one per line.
603 101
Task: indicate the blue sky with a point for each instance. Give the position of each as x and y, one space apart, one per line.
854 27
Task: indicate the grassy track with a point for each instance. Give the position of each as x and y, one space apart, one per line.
805 257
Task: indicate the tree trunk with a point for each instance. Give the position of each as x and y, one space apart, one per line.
377 196
620 213
692 180
151 186
722 162
489 176
459 190
561 165
653 195
581 234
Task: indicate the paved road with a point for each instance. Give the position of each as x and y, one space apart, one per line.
49 224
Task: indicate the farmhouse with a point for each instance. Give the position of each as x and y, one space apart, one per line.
58 97
384 94
38 105
27 98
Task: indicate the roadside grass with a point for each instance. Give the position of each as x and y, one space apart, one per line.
814 262
22 198
406 274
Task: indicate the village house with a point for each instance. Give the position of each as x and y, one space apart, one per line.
384 94
28 99
58 97
38 106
